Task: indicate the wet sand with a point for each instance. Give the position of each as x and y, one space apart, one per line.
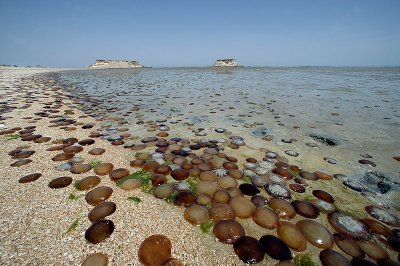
35 219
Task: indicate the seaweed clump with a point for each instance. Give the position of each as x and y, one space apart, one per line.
143 176
304 260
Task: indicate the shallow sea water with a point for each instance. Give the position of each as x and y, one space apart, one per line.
358 108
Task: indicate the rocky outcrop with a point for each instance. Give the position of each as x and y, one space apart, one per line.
225 63
116 64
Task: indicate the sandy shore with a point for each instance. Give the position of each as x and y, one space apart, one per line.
35 219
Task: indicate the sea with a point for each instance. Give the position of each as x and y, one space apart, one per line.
333 117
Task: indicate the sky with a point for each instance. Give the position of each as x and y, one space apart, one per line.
195 33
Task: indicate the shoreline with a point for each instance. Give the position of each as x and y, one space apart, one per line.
35 214
151 216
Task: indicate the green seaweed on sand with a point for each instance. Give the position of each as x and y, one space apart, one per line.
350 210
143 176
73 226
304 259
305 197
72 196
205 227
171 198
135 199
192 182
12 136
149 159
294 173
167 162
95 163
246 179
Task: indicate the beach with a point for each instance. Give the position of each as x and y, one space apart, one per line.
45 226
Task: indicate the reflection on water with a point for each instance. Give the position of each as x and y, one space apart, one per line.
358 107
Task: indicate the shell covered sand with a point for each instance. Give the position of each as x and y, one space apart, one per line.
46 227
139 216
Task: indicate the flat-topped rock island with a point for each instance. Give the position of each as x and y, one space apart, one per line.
225 63
116 64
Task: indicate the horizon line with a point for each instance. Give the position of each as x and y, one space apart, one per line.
207 66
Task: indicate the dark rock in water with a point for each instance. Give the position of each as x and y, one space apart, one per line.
292 153
220 130
349 226
312 145
316 234
305 209
249 189
330 257
374 182
366 156
383 187
249 249
228 231
362 262
323 195
326 141
341 177
354 185
330 160
275 247
387 262
99 231
383 215
259 200
396 232
260 132
367 162
348 245
277 191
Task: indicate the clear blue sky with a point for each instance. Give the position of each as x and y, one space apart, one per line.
196 33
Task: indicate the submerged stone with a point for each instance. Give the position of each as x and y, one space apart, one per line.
228 232
275 247
330 257
249 250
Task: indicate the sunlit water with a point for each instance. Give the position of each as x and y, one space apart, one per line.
358 108
366 101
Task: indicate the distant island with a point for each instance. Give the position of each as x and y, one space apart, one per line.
116 64
225 63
